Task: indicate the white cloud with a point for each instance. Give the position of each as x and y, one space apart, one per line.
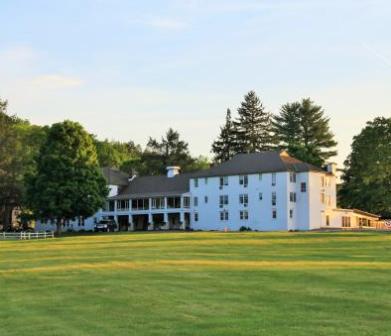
56 81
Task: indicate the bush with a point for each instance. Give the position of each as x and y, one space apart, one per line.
245 228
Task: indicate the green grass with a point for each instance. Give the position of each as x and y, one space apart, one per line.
197 284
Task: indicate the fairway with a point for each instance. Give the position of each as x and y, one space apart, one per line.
197 284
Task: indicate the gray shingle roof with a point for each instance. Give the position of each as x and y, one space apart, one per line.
254 163
261 162
157 186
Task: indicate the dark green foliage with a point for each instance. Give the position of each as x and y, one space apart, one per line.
117 154
68 183
170 150
253 126
367 175
303 130
19 143
224 146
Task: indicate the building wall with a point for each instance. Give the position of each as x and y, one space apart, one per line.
306 211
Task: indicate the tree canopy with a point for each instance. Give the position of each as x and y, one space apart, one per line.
367 173
224 147
253 126
68 182
303 130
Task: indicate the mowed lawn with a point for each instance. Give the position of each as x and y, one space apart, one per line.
197 284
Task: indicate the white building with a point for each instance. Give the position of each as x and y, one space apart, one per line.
266 191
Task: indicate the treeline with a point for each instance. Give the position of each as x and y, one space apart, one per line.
301 128
153 159
53 172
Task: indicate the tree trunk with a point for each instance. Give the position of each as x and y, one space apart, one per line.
7 217
58 226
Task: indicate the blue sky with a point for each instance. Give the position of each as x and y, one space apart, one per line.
131 69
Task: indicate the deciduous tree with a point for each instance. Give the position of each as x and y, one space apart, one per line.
367 174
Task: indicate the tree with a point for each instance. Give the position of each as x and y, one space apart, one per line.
11 165
19 143
367 173
253 126
116 154
171 150
224 146
68 183
303 130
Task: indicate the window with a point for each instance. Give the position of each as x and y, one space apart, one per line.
195 201
158 203
273 179
274 213
322 181
243 180
224 215
260 176
292 196
223 181
244 215
345 221
111 205
122 205
260 196
327 220
196 216
173 202
303 187
206 180
291 213
223 200
196 182
140 204
206 199
322 197
186 202
292 177
274 198
243 199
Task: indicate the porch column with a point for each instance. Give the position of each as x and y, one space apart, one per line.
150 220
131 225
116 222
166 225
182 220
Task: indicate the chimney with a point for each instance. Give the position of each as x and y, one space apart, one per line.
173 171
331 167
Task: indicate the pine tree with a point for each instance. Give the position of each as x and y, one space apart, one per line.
304 131
224 146
253 126
287 128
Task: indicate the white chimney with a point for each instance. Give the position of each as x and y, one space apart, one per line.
173 171
331 167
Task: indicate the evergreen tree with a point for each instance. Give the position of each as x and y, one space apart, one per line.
253 126
224 146
367 174
68 183
171 150
304 131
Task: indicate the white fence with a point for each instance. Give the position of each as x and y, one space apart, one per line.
25 235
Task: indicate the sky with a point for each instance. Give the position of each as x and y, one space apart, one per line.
127 70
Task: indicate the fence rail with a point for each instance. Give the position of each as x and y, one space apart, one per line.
25 235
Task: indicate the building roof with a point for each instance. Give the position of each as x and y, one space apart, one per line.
150 186
359 212
262 162
114 176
